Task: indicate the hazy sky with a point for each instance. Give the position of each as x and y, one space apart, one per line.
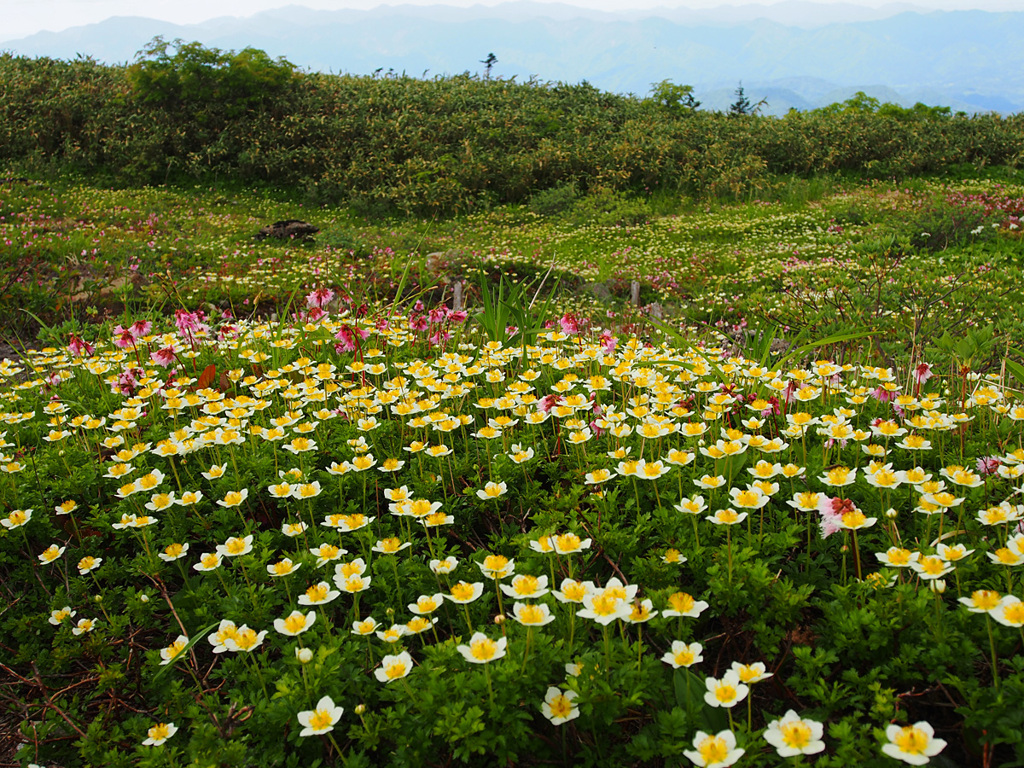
19 18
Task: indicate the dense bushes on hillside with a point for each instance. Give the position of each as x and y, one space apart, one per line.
442 145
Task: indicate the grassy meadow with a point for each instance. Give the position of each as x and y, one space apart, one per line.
283 503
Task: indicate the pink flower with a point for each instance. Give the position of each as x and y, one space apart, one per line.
987 464
189 323
922 373
319 298
127 382
141 328
569 324
548 402
458 317
419 322
883 395
438 315
79 346
438 338
164 357
123 337
831 511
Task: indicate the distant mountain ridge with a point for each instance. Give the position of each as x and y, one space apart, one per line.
968 60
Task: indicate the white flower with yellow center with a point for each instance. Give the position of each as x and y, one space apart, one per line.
726 517
558 706
525 586
172 651
426 604
159 733
321 719
394 667
50 554
571 591
283 567
235 546
604 608
750 498
714 751
295 623
683 654
792 735
482 650
725 692
898 557
245 640
220 636
492 491
233 498
683 604
914 744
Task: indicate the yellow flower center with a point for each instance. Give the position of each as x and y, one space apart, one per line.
526 585
985 599
746 499
560 706
483 649
395 671
727 515
426 604
418 624
246 639
681 601
235 546
685 657
531 614
175 648
725 693
838 475
295 623
495 562
713 750
320 720
899 556
463 591
911 740
605 605
1014 614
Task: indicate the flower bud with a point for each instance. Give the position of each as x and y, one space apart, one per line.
891 513
499 619
144 598
360 709
304 655
938 586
